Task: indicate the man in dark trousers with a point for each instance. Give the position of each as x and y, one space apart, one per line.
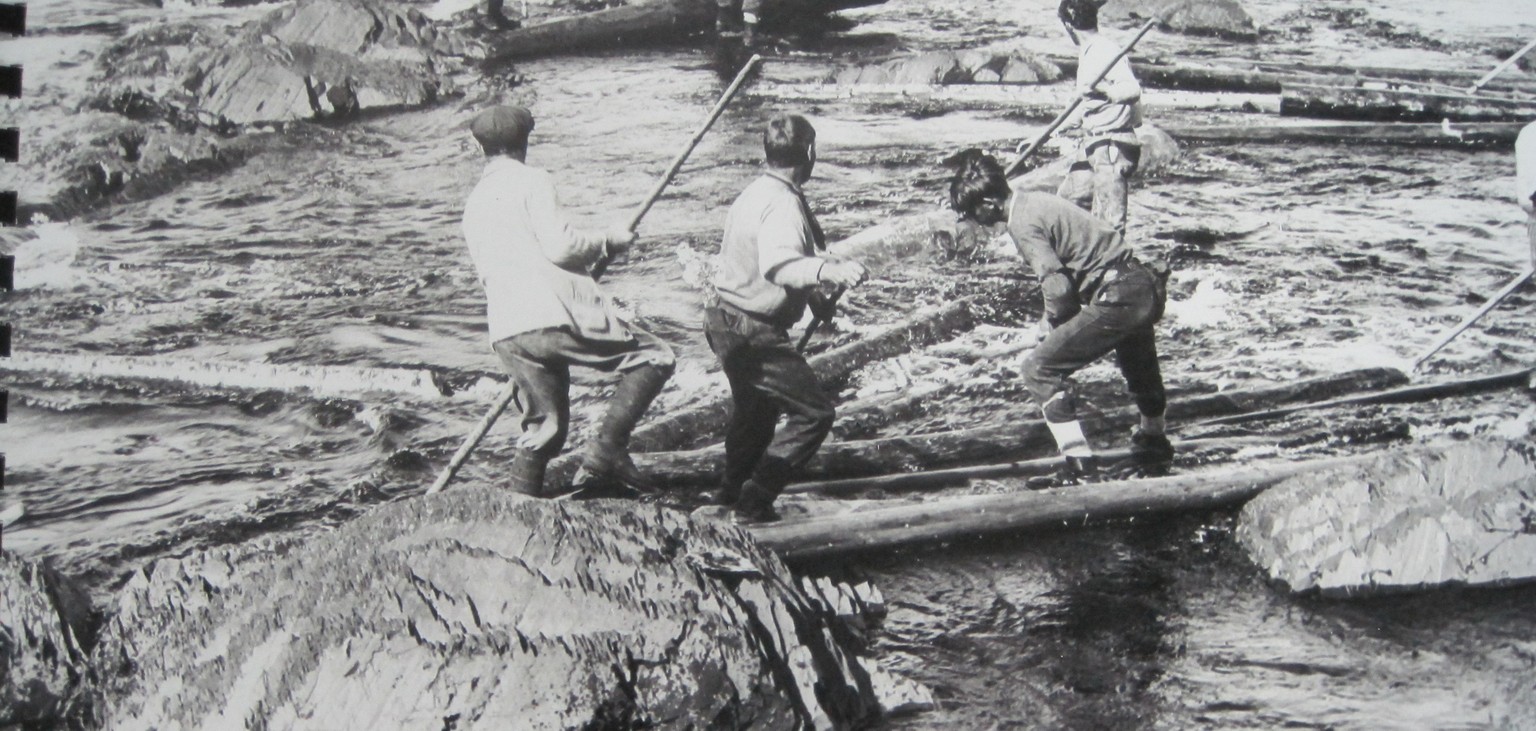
546 312
772 265
1099 179
1098 298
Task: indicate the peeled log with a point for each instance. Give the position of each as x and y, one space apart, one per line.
648 22
920 452
1045 101
1406 519
1314 100
1356 133
883 528
478 609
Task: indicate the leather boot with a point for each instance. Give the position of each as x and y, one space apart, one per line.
1152 454
755 504
527 473
608 455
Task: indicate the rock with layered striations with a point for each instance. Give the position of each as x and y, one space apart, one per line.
478 609
317 59
1413 519
954 67
46 630
1221 18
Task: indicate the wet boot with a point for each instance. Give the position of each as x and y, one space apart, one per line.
727 495
1152 454
1075 470
755 504
528 473
608 455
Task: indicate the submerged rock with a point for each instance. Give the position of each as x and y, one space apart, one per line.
46 630
478 609
1412 519
954 67
1221 18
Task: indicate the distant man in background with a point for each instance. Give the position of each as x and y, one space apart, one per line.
546 312
772 265
1525 179
1099 179
728 18
1097 298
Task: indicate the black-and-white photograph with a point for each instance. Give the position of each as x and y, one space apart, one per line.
833 365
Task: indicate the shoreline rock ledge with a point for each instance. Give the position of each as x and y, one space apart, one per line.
479 609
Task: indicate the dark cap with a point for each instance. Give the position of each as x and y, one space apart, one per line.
1080 14
502 128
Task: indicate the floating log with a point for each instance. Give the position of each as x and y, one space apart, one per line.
320 381
1460 80
1475 134
1404 519
1015 438
1409 394
1246 76
646 22
935 479
1044 100
1398 104
882 528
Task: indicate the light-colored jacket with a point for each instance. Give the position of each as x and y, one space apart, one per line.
1103 118
532 262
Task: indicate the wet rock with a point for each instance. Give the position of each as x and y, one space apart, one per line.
1412 519
1221 18
954 67
317 59
478 609
47 627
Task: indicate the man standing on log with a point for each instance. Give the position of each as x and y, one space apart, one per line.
1098 298
1099 179
727 19
1525 178
545 310
772 265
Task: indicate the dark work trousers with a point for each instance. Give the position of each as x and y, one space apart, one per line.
540 363
768 378
1119 317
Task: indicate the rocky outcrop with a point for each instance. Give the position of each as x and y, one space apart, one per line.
1221 18
1413 519
478 609
952 67
46 630
317 59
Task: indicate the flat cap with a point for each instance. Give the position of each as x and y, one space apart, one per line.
502 127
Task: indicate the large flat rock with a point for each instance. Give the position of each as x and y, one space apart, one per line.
1412 519
478 609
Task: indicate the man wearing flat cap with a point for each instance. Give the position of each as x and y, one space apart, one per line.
546 312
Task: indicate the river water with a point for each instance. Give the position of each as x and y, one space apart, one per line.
343 249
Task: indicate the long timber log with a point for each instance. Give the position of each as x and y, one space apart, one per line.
920 452
972 516
1044 100
1399 104
1409 394
1475 134
646 22
318 380
1259 78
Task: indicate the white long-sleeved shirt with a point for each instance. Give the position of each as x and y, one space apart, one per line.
768 259
532 262
1525 166
1120 114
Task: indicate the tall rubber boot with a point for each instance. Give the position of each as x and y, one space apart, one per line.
527 473
608 455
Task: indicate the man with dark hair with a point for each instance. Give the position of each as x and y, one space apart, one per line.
1110 112
772 265
1097 298
546 312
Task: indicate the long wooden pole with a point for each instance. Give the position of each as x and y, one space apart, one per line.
1487 307
1407 394
677 162
1478 85
510 392
1065 113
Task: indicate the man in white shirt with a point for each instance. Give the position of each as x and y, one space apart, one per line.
545 311
1525 178
1099 180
